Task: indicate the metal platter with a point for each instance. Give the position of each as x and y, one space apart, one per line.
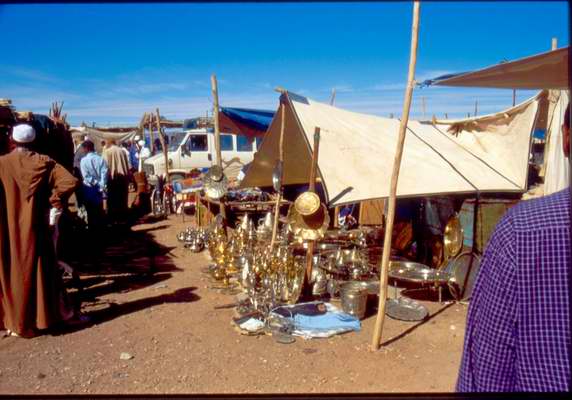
405 309
457 270
453 237
416 272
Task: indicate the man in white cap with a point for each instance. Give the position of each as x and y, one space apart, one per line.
144 153
32 296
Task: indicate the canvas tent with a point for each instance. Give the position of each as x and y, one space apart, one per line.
548 70
556 168
542 71
487 154
97 136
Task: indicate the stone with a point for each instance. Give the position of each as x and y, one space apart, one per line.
125 356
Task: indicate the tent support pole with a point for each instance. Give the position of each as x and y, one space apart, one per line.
217 139
165 150
281 160
312 188
375 344
474 249
151 134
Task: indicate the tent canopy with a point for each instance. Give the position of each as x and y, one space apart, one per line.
244 121
542 71
97 136
486 154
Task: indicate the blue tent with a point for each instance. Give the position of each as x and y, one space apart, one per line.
244 121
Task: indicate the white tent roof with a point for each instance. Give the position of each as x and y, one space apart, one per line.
357 152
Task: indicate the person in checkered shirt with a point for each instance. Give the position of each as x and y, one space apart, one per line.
518 325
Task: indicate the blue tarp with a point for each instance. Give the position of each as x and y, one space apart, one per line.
255 119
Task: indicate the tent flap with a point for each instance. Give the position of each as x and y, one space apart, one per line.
542 71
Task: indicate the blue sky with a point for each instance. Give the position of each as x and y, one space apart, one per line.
110 63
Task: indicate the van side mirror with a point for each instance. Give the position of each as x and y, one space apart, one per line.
185 151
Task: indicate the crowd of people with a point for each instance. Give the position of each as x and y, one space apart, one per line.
34 193
106 177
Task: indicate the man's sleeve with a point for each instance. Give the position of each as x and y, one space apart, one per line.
104 173
488 362
62 184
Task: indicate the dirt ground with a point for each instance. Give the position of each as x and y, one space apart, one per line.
178 343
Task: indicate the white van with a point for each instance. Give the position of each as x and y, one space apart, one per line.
195 149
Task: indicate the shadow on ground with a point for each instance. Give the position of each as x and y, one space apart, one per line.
112 310
121 259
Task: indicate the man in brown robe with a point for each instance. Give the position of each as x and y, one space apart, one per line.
32 296
118 184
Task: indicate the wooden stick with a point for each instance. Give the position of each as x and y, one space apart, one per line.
222 207
165 150
151 135
314 168
513 97
197 210
476 107
142 126
333 98
375 343
281 160
216 121
312 188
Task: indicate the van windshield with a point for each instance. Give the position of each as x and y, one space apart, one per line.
175 141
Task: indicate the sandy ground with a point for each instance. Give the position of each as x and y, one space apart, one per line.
178 343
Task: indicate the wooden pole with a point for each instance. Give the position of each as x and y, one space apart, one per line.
446 116
165 150
333 98
281 160
216 122
214 86
554 43
151 135
476 107
142 127
312 188
513 97
375 344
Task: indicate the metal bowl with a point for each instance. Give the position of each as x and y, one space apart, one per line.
372 286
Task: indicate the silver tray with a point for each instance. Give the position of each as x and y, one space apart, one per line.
405 310
415 272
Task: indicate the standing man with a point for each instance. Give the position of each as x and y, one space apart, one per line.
118 187
94 174
32 296
518 326
143 154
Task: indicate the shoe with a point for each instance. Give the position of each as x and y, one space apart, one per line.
77 320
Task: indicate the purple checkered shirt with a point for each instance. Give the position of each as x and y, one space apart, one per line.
518 325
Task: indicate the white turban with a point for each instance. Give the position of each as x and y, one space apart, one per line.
137 138
141 143
23 133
